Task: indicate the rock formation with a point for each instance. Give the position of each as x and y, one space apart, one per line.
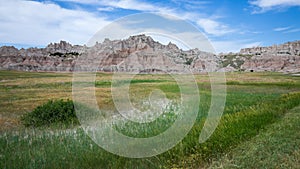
276 58
137 53
141 53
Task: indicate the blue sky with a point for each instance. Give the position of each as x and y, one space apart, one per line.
228 24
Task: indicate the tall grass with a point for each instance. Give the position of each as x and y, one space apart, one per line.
48 148
250 107
234 129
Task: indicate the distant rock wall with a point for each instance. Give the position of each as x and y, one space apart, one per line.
137 53
141 53
55 57
277 58
274 63
289 48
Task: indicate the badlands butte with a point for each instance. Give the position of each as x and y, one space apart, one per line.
141 53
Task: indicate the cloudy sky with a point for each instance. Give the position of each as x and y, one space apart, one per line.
229 25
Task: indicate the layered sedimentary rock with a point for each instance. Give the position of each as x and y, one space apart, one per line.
141 53
137 53
276 58
55 57
289 48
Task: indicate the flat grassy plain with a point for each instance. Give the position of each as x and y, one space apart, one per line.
254 103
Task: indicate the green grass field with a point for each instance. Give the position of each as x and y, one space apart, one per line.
259 117
277 146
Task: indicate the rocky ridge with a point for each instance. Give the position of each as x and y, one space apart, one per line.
277 58
141 53
138 53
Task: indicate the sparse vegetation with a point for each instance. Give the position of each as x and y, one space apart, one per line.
235 60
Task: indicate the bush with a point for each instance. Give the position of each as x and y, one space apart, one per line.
52 112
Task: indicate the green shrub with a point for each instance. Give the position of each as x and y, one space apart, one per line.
52 112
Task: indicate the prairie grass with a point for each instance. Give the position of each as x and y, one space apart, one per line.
71 148
276 146
254 101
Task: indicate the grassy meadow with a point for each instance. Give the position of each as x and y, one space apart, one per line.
259 127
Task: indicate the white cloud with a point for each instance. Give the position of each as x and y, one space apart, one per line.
39 23
288 29
192 4
281 29
131 4
82 1
125 4
292 31
36 23
146 7
213 27
106 9
209 24
265 5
